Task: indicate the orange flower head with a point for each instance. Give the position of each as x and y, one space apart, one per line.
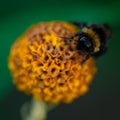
46 65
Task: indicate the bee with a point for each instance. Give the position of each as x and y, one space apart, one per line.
92 39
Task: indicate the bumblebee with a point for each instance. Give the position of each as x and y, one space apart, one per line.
91 39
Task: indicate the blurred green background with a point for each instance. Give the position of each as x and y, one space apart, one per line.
102 102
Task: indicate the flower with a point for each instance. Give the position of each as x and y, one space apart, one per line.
46 65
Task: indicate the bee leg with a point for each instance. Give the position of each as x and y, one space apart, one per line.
72 37
81 53
86 58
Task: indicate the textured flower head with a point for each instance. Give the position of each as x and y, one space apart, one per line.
46 65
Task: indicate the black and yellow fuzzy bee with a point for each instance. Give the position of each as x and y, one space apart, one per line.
92 39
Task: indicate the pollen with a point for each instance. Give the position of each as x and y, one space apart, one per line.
47 66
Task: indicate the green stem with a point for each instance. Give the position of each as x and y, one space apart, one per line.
35 110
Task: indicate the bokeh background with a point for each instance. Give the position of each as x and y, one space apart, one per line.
102 102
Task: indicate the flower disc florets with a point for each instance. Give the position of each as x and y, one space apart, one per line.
47 66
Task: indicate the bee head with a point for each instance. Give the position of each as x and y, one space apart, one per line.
85 43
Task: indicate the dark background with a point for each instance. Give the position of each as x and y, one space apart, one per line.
102 102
